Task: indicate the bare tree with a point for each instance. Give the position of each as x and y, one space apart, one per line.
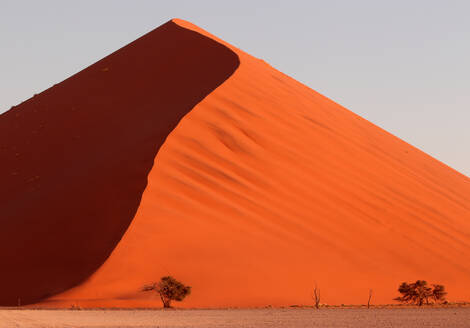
370 297
316 296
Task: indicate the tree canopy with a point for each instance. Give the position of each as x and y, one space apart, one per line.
419 293
169 290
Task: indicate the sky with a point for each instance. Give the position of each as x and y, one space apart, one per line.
403 65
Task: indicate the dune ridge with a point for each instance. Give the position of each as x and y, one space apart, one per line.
266 188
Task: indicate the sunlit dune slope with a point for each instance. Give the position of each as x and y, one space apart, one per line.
267 187
74 159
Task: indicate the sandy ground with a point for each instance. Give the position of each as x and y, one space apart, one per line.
451 317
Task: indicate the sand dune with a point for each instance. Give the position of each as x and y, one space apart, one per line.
263 189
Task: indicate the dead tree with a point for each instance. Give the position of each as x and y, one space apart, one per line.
316 296
370 297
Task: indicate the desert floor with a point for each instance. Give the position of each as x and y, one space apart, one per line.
411 317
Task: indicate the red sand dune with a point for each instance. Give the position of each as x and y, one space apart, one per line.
263 189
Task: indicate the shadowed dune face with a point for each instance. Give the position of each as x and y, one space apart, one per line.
74 159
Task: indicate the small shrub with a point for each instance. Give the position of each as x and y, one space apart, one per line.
75 307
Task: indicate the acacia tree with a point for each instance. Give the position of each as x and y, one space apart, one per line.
419 292
169 290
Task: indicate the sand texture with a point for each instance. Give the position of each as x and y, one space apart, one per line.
337 318
228 175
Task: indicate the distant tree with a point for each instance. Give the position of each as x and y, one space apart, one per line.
419 292
169 290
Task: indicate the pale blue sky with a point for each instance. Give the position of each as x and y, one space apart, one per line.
404 65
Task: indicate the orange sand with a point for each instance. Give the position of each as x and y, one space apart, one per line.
266 187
